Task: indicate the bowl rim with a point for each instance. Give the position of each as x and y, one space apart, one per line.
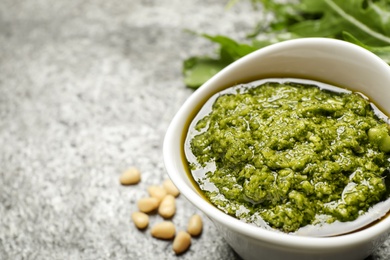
261 234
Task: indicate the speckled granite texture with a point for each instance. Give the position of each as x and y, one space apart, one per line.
87 89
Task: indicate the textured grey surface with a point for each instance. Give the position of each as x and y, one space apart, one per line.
87 89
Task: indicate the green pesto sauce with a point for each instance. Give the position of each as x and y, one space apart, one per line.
291 154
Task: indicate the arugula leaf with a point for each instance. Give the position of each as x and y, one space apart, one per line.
368 20
363 22
198 70
364 16
382 52
230 49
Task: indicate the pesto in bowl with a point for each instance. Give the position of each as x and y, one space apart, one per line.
290 154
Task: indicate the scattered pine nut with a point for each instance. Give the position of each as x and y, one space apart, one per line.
140 219
195 225
167 206
163 199
182 242
147 205
157 192
171 188
163 230
130 177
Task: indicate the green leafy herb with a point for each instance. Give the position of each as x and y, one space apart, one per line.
198 70
383 52
363 22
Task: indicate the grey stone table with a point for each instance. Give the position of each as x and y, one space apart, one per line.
87 89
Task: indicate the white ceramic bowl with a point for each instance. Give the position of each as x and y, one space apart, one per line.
326 60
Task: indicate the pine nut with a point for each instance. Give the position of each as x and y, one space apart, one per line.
130 176
157 192
163 230
181 242
195 225
167 206
140 219
171 188
147 205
